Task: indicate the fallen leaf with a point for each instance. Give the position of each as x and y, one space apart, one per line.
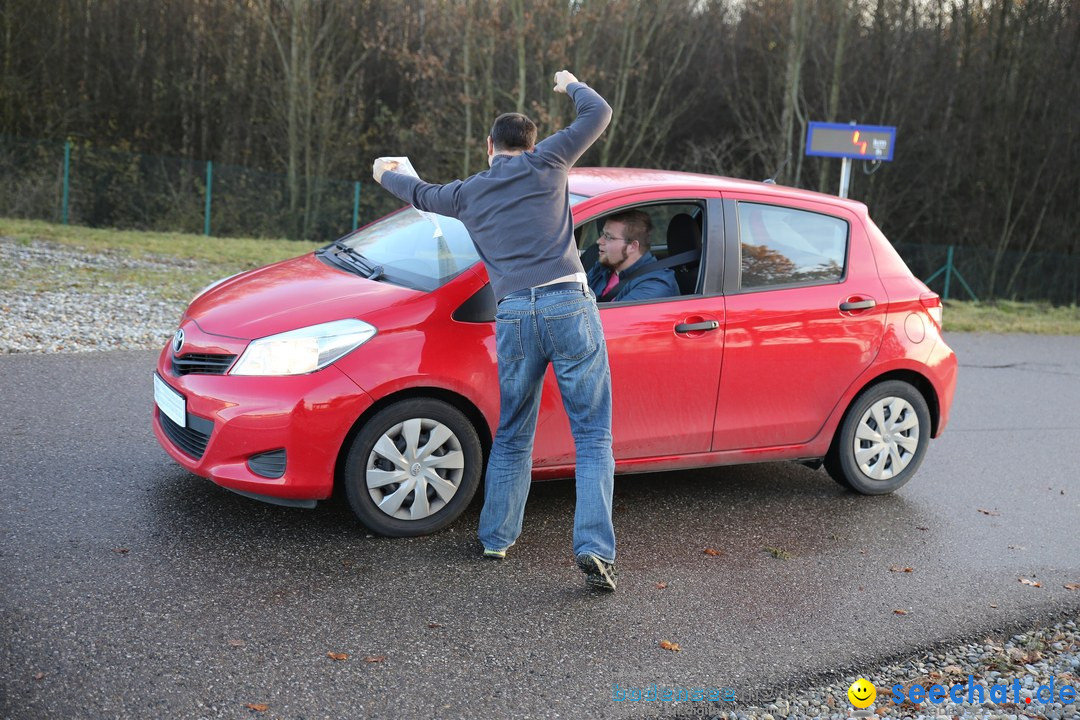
257 707
992 513
237 643
993 605
1032 583
1072 586
673 647
662 585
953 669
712 553
121 551
778 553
374 658
901 569
337 656
433 626
39 676
900 612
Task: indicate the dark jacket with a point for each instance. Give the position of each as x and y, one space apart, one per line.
649 284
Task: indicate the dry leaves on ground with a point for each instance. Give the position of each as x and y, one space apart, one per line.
661 585
1072 586
711 552
374 658
337 656
673 647
898 611
1032 583
901 569
991 513
257 707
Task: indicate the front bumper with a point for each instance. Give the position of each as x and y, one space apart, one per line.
233 422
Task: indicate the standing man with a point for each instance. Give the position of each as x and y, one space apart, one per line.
518 214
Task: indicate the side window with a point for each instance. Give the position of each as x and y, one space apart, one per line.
784 246
672 243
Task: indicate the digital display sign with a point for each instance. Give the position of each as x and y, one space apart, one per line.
859 142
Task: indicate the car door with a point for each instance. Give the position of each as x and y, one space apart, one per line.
665 356
805 316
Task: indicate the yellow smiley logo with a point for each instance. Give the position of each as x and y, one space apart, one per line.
862 693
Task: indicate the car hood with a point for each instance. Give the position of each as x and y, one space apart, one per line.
290 294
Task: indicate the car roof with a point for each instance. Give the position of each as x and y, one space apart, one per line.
591 182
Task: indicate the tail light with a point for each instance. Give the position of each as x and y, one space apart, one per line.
932 302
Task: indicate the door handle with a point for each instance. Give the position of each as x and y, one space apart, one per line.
858 305
694 327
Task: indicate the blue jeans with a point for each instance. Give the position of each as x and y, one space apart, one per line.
561 327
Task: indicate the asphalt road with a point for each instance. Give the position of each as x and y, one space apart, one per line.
131 589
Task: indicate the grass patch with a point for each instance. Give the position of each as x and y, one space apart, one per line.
1006 316
233 254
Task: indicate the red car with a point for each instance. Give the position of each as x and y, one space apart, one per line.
799 334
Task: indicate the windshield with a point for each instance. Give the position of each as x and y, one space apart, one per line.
404 245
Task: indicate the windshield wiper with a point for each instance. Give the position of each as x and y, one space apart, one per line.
357 260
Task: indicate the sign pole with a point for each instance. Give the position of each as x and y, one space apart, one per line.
845 176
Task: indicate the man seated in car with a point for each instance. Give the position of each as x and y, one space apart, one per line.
624 261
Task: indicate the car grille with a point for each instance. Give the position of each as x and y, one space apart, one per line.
192 439
201 364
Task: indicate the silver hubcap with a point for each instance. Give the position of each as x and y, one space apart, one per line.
415 469
886 438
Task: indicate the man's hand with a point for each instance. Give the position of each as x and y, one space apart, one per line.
380 167
562 79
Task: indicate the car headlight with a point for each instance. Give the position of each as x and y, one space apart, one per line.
302 351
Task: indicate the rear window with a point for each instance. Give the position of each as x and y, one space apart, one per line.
785 246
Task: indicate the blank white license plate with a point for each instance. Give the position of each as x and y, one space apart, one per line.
170 402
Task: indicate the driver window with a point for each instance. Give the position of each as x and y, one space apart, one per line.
654 252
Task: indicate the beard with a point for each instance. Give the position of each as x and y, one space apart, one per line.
609 262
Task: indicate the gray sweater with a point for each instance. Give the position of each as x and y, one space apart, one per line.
518 211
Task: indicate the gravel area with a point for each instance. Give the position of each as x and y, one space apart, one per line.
59 314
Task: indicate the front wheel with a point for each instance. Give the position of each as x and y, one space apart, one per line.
882 440
413 468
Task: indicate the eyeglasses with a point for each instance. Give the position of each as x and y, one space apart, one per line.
611 238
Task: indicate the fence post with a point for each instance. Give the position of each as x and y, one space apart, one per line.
356 206
209 193
67 181
948 270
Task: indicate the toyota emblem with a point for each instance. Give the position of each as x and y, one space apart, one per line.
178 341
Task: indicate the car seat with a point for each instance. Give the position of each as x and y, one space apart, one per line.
684 235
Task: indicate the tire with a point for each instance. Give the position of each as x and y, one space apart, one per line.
873 462
392 458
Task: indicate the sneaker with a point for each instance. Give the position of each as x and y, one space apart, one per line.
598 574
497 554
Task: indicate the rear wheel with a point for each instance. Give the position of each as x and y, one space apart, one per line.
413 468
882 440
